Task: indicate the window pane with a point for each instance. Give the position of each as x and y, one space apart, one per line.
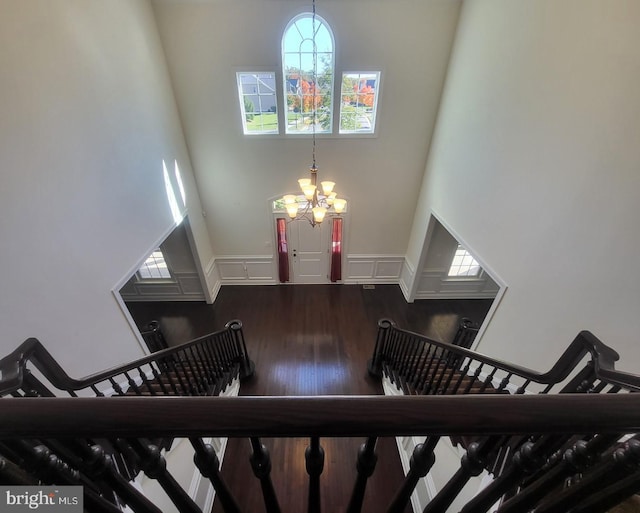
358 102
154 267
258 107
463 264
308 75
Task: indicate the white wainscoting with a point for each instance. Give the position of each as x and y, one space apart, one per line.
246 270
373 269
407 276
262 270
183 286
434 284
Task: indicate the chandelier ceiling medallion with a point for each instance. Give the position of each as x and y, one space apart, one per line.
315 202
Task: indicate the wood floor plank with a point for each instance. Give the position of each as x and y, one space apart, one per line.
310 340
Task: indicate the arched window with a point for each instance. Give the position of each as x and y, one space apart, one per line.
308 68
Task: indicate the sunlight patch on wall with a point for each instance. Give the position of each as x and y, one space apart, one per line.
180 183
171 195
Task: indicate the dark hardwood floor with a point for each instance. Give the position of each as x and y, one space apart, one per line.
310 340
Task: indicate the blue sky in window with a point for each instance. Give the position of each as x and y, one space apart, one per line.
298 43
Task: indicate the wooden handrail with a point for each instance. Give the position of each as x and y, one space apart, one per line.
12 366
584 343
334 416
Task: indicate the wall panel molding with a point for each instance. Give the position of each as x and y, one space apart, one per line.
246 270
373 269
184 286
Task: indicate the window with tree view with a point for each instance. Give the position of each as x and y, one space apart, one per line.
308 64
358 102
257 93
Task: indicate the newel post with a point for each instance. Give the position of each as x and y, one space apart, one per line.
375 364
247 366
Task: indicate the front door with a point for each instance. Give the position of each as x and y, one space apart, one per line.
309 251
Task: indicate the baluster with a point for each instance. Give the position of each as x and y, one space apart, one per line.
154 466
472 464
100 467
10 473
525 461
132 384
417 359
474 378
504 383
207 364
488 381
53 470
581 381
428 375
145 382
523 388
462 373
405 355
261 465
36 461
574 460
96 391
167 372
226 345
445 370
157 376
610 497
208 464
609 471
116 386
217 347
314 462
451 373
365 466
424 356
175 373
197 373
181 370
47 467
202 366
420 463
394 347
212 366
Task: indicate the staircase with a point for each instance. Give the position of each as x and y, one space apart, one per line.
560 441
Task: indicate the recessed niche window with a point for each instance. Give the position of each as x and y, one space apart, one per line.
258 105
358 102
308 69
463 264
154 267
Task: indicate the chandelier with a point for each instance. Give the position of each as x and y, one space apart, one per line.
315 202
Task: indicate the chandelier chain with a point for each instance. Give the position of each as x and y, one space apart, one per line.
315 83
317 203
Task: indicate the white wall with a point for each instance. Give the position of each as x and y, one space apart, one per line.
535 163
206 42
87 118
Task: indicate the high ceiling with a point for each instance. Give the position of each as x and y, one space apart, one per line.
205 43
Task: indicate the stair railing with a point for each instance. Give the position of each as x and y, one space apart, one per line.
418 365
572 451
48 422
203 366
